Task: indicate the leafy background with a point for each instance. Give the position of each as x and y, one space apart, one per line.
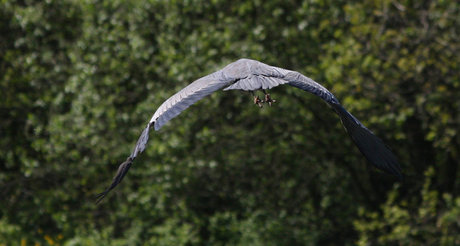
80 79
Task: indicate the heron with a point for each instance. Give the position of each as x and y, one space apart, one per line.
251 75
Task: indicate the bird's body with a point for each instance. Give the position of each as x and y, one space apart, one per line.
245 75
251 75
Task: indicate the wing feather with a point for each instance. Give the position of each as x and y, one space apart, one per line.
375 151
188 96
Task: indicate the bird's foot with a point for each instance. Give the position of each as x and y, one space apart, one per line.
269 100
258 101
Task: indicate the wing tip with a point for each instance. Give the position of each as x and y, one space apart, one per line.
395 169
100 196
371 147
121 172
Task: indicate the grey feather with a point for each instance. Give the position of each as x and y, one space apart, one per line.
251 75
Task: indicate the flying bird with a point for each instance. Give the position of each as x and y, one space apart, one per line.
250 75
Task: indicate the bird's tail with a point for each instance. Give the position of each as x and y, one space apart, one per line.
375 151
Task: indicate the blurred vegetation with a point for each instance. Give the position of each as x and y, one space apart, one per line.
79 80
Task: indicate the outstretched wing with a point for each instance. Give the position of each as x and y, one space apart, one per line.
175 105
266 77
375 151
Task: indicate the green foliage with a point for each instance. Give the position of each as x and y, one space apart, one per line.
80 79
435 220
